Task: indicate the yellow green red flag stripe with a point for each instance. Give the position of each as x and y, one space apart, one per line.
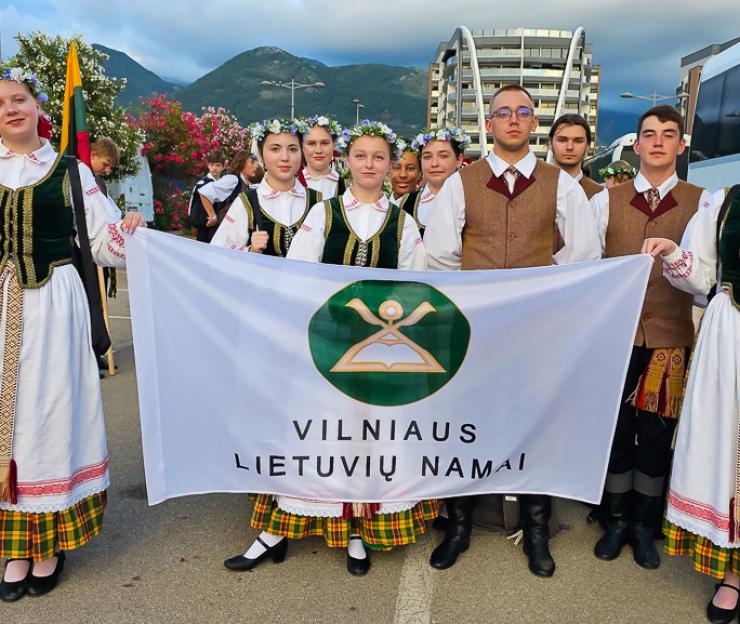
75 135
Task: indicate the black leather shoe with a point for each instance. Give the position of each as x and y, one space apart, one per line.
721 616
537 549
358 567
457 533
615 507
40 585
642 531
277 553
10 592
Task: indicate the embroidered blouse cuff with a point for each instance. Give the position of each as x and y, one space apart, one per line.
678 264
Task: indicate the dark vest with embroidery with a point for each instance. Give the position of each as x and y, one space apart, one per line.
37 227
343 246
728 248
666 319
280 235
410 203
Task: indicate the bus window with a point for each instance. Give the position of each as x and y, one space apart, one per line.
728 141
704 136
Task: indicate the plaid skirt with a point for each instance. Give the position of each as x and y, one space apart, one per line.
708 558
381 532
40 536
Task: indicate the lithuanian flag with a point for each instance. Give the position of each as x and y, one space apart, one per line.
75 135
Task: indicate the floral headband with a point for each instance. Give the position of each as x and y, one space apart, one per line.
259 131
327 123
28 78
371 128
612 170
451 135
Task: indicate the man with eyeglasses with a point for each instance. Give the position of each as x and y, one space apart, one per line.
504 212
655 204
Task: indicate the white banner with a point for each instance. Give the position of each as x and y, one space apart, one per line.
259 374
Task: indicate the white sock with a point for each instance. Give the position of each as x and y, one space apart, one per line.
16 570
356 547
443 510
256 549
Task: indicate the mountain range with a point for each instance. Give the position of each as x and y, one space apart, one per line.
394 95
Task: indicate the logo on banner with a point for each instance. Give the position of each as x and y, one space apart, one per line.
388 343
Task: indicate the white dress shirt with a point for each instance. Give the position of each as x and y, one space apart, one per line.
600 201
220 189
286 208
574 219
366 220
327 184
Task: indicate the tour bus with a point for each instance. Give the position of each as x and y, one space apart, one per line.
621 149
714 161
137 190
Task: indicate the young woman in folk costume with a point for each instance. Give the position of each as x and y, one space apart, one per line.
265 219
405 173
319 145
442 152
53 456
703 514
360 228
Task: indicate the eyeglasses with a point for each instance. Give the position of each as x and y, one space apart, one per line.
503 113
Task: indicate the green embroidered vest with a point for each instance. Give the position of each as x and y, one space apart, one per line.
343 246
410 203
37 226
280 236
728 248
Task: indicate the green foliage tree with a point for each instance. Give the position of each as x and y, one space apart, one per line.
46 56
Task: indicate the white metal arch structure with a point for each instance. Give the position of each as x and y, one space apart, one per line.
566 80
463 34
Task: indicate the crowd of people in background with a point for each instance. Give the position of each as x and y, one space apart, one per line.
363 196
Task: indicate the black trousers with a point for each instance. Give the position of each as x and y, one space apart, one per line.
642 440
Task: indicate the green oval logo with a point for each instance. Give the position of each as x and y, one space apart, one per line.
388 343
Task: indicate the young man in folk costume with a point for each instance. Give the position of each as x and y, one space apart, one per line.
502 212
570 137
655 204
197 215
265 219
702 519
319 145
53 456
217 195
405 172
360 228
442 152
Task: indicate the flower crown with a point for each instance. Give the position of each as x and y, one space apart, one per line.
371 128
452 135
327 123
259 131
28 78
404 145
612 170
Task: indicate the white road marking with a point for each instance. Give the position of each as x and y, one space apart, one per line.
416 585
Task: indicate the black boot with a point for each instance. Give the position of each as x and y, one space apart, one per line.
642 530
535 515
457 532
617 508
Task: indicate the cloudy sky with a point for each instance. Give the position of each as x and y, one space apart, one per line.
638 43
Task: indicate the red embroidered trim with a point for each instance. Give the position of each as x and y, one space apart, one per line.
681 268
64 486
305 228
115 235
115 252
229 219
91 191
699 510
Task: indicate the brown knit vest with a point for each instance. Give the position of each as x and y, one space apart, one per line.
503 233
590 187
666 314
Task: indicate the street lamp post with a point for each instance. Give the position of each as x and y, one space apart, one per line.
293 85
357 103
654 97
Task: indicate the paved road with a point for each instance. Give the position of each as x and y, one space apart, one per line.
164 563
